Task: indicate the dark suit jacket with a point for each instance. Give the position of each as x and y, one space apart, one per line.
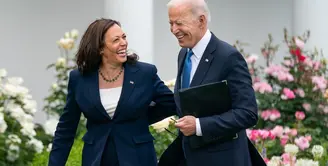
220 61
129 126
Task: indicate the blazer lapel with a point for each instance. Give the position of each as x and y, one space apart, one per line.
129 82
93 86
182 56
204 63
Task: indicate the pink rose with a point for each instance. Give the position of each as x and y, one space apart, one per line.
306 106
299 115
286 158
300 92
308 137
287 94
302 143
299 43
254 135
278 131
284 140
272 115
264 134
293 132
252 58
265 115
262 87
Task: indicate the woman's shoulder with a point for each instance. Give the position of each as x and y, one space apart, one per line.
146 67
75 73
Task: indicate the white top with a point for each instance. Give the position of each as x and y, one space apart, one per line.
109 99
198 51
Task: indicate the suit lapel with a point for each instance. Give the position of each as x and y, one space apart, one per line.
129 82
93 84
182 56
127 88
204 63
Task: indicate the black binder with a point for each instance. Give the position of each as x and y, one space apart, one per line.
206 100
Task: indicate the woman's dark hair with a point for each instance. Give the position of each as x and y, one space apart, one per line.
88 56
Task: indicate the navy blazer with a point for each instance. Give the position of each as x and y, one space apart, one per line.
129 125
220 61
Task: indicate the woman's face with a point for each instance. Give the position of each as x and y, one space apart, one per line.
115 49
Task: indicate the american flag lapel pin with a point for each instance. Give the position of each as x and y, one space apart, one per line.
131 82
206 60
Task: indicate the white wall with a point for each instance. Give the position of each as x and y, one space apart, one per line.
246 20
28 34
312 15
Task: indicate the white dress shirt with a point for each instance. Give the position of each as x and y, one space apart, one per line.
198 51
109 99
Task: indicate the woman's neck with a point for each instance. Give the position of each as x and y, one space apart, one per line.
111 66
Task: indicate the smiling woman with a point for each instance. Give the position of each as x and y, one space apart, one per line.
114 91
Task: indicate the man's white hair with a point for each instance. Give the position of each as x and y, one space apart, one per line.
199 7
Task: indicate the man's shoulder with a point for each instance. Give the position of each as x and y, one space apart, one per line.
223 47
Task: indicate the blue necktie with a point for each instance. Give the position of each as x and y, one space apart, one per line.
186 70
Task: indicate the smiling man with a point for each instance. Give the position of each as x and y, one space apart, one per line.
205 59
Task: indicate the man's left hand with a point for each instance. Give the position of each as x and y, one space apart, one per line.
187 125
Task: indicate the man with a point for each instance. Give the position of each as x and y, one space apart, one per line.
204 59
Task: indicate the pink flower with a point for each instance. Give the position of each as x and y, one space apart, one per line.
252 58
254 135
284 140
280 72
325 110
306 106
257 79
265 115
289 63
262 87
299 43
266 160
272 114
264 134
287 94
302 142
316 65
308 137
286 158
300 92
293 132
278 131
275 114
320 82
299 115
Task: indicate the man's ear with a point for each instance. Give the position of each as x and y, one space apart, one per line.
202 20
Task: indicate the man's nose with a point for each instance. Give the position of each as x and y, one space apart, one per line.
174 29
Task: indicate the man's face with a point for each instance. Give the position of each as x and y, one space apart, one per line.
185 27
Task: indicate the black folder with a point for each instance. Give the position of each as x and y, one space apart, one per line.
206 100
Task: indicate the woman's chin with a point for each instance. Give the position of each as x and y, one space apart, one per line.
122 59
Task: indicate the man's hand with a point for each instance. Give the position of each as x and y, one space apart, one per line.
187 125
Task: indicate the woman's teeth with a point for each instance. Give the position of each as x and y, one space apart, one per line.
122 53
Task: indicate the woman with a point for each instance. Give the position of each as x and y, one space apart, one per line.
114 92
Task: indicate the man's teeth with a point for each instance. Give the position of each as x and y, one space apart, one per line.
180 37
